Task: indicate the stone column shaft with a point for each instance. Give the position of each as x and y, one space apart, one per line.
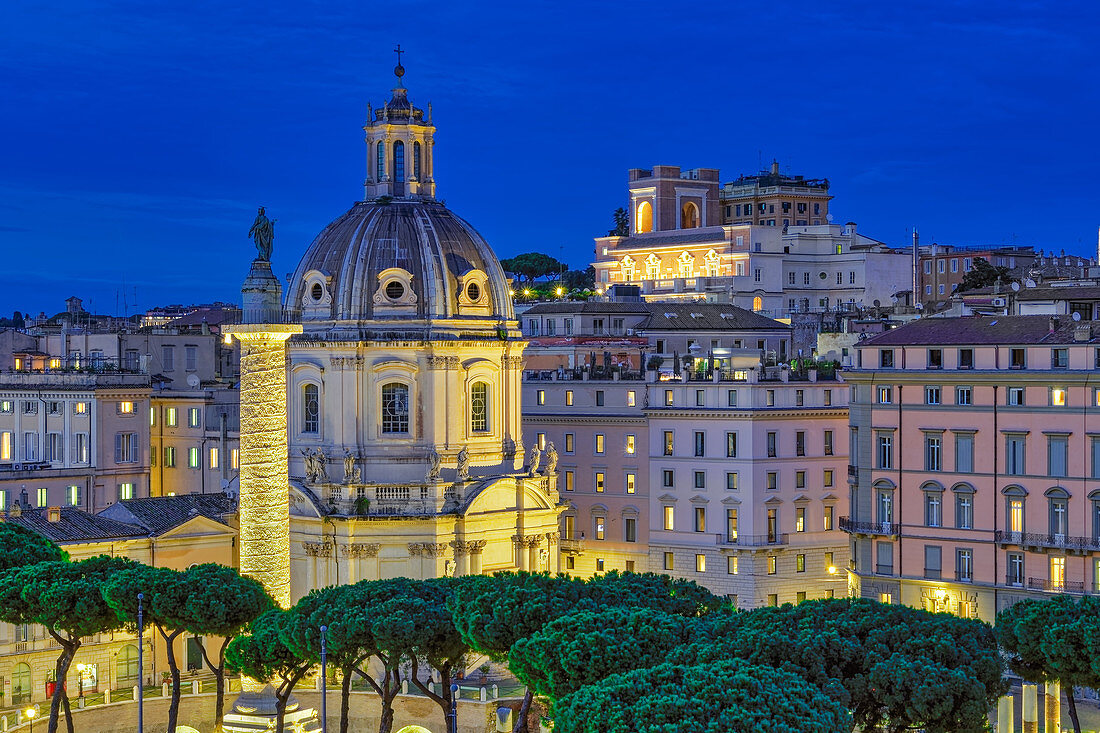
1030 709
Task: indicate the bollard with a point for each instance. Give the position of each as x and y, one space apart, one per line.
194 687
1030 709
1005 722
81 702
107 696
496 692
1053 710
483 694
137 691
164 690
4 724
404 687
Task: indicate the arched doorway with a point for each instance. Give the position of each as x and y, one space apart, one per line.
21 683
127 671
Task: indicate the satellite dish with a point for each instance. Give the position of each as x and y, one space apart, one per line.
829 218
1015 287
1029 283
1076 316
192 380
919 306
876 303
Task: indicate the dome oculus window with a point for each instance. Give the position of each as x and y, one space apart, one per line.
473 292
317 292
394 290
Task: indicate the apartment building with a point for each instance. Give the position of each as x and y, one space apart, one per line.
975 464
684 447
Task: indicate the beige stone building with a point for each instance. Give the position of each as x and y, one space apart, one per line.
771 198
713 464
173 532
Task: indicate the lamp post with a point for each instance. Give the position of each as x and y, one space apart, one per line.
30 713
80 682
454 707
324 678
141 665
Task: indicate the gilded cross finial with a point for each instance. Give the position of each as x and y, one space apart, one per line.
399 70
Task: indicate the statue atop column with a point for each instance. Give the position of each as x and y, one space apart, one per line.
435 462
551 459
533 459
263 234
352 473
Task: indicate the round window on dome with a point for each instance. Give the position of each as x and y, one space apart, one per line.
473 292
394 290
317 292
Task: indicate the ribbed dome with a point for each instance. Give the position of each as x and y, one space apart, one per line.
403 260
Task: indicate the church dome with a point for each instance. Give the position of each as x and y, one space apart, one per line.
407 260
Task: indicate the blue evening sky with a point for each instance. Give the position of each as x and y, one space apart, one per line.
139 137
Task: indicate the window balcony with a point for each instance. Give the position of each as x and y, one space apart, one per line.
1052 541
1055 586
754 540
571 545
882 529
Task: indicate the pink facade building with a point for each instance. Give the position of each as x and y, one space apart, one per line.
975 466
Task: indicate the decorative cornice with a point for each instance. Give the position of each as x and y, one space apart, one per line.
443 362
318 549
427 549
361 549
467 547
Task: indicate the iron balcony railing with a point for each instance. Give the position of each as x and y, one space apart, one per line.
1056 586
754 540
886 529
1057 541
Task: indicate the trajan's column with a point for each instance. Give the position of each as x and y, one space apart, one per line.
264 505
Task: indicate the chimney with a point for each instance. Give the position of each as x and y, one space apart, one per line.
1053 324
775 167
53 514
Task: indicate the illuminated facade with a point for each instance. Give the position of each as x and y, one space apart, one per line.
402 395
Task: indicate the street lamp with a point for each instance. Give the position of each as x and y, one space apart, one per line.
30 713
80 681
454 706
141 665
324 677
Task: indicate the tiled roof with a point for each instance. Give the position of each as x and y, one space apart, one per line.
669 316
162 513
706 317
716 234
979 330
75 525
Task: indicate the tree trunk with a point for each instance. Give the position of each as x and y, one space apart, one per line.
61 671
524 708
1072 703
345 697
174 705
219 679
68 713
443 700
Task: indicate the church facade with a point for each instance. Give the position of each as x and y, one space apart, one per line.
404 452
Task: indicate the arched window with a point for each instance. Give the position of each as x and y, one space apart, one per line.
416 159
689 215
652 267
643 217
21 683
381 160
686 264
758 303
479 407
126 664
626 267
311 409
395 408
399 161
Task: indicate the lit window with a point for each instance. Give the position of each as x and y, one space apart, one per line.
169 456
669 518
125 491
800 519
731 564
214 458
126 408
235 459
540 397
1058 396
600 524
568 480
800 563
193 417
72 495
81 408
773 565
668 398
599 443
6 439
170 417
700 563
192 457
669 561
630 398
42 497
569 397
630 445
630 483
599 482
